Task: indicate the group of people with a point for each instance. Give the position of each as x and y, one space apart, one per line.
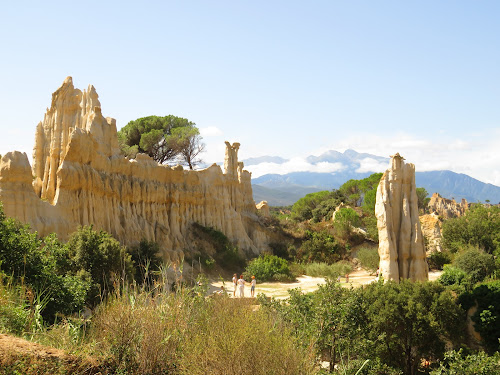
240 285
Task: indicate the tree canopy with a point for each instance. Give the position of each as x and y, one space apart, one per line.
165 139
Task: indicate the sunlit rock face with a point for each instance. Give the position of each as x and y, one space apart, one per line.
79 177
431 229
447 208
401 243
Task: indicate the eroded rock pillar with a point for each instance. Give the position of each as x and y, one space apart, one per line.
401 244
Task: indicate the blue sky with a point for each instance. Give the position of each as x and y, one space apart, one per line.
287 78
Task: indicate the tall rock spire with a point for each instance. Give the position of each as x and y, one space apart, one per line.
401 243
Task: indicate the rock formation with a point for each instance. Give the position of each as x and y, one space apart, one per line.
401 243
431 229
79 177
263 209
447 208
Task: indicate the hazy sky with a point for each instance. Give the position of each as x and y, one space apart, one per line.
287 78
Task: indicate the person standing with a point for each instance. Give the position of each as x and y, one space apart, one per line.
241 286
235 282
252 288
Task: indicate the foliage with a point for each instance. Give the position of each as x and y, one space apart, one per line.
102 258
303 209
487 316
163 138
369 258
477 264
422 316
452 275
325 208
147 260
232 339
355 191
437 259
345 220
182 333
320 247
479 227
188 142
457 363
332 271
422 199
267 267
41 266
226 253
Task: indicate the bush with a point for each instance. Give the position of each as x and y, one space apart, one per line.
226 253
331 271
181 333
266 267
487 316
452 275
345 220
475 263
479 227
102 257
147 260
369 258
320 247
455 362
437 259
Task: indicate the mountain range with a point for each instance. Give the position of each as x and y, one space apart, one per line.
286 189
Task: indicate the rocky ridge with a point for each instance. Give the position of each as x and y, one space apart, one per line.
79 177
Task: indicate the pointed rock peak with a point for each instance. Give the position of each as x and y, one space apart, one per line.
397 156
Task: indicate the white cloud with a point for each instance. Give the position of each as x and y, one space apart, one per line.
371 165
211 131
293 165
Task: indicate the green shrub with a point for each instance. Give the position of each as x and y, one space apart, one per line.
456 362
320 247
226 253
99 255
437 259
486 297
332 271
475 263
267 267
479 227
147 260
369 258
345 220
452 275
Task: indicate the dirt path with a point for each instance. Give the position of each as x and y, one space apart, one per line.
305 283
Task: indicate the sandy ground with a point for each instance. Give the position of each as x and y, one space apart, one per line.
305 283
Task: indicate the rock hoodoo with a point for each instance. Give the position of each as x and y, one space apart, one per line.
79 177
431 229
447 208
401 243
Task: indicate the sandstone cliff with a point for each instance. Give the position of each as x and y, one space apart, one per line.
447 208
431 229
401 243
79 177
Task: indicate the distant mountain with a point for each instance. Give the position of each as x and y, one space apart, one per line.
457 185
285 188
349 158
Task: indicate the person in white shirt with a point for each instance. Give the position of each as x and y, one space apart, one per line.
241 286
235 283
252 289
